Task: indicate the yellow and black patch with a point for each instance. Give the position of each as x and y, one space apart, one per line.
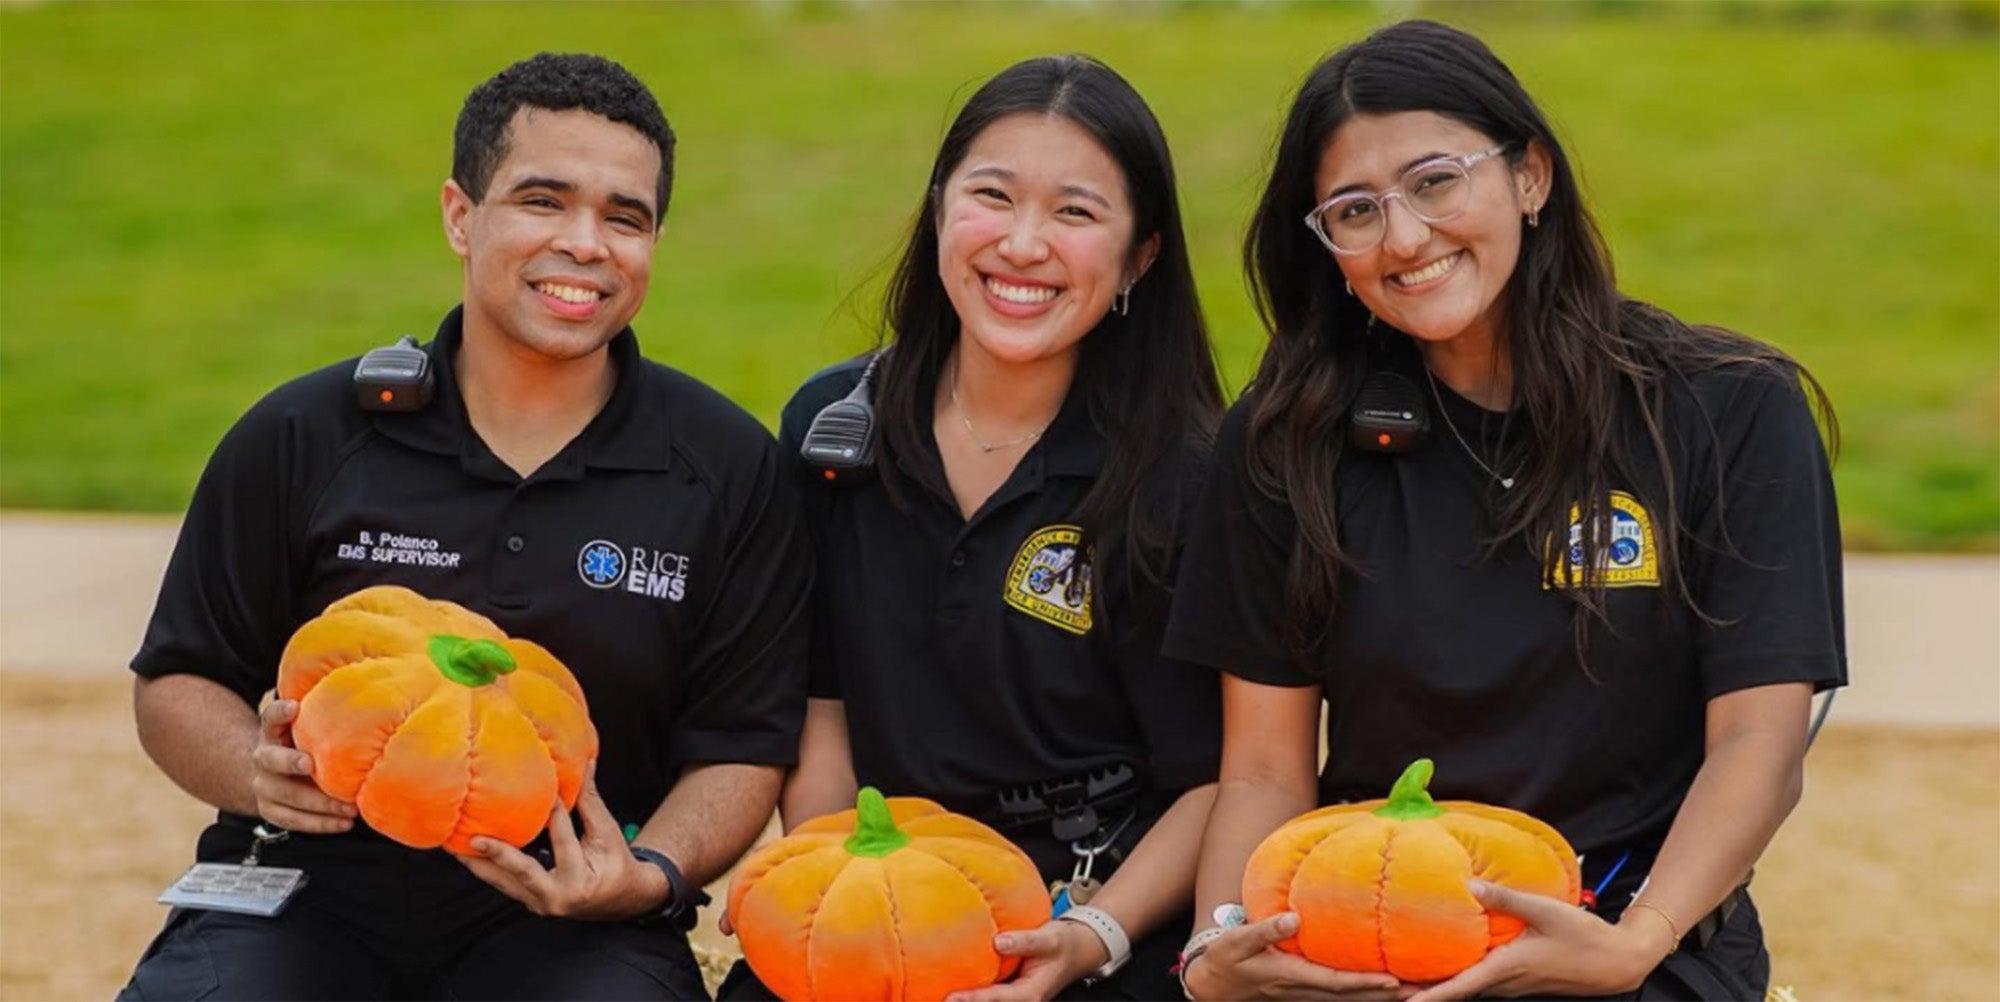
1050 578
1631 555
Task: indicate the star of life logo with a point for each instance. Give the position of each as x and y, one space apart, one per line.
383 547
1050 579
654 573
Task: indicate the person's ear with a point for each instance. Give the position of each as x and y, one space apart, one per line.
1143 257
457 207
1532 177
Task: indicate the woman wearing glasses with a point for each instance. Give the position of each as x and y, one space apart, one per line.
1602 590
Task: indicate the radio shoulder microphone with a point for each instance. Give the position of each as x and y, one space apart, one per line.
395 377
1389 414
840 444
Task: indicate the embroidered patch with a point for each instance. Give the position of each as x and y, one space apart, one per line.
1631 558
1050 579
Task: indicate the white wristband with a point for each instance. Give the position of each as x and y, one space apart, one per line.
1197 945
1116 943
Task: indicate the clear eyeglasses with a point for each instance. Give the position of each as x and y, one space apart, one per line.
1434 191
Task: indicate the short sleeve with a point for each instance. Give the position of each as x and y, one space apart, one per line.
1178 704
1229 597
225 605
822 676
746 677
1765 566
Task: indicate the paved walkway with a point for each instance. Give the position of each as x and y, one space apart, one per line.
1923 632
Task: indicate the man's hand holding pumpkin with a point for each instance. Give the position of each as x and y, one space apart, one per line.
595 874
281 778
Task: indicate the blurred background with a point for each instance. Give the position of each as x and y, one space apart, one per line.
198 202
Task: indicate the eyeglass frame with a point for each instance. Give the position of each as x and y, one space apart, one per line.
1465 162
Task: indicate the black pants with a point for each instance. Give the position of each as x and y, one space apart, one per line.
378 921
1733 965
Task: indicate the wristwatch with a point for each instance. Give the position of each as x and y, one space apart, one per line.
1116 943
680 909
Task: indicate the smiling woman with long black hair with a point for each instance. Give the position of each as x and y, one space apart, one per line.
989 620
1602 591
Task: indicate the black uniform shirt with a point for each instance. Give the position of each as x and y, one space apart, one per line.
976 655
1436 652
660 555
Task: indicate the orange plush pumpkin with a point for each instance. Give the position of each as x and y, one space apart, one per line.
896 899
433 722
1381 885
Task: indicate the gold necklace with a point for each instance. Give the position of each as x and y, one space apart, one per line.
974 432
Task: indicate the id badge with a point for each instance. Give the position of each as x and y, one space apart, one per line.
234 887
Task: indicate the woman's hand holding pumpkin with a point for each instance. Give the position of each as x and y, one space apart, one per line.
281 778
595 874
1052 957
1563 951
1245 963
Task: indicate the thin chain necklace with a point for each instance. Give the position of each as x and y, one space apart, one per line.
1506 482
974 432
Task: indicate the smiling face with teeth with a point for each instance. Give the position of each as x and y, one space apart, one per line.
1034 239
1444 281
558 253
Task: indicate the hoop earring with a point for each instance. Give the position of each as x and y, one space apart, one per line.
1534 217
1122 302
1349 285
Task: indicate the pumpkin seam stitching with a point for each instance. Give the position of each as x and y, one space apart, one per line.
1381 905
984 894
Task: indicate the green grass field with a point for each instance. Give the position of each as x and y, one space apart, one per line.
197 202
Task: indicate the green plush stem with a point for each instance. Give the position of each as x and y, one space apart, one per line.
875 832
470 663
1408 799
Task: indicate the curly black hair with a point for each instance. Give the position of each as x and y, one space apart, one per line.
557 82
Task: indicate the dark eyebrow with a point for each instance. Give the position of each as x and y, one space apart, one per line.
556 184
1071 190
1400 171
1079 191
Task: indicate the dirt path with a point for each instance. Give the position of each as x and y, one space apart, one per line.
1883 885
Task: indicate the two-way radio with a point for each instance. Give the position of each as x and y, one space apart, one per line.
395 378
840 444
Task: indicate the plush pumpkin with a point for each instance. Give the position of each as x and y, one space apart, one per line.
1381 885
433 722
896 899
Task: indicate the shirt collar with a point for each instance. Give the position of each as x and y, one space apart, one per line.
632 432
1073 446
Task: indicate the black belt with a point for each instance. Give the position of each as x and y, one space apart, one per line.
1713 922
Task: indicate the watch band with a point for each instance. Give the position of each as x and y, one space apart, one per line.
1116 943
680 906
1197 945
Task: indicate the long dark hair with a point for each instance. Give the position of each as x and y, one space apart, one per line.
1148 377
1585 359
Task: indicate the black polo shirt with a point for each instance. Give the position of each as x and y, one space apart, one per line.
1438 652
975 655
661 555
